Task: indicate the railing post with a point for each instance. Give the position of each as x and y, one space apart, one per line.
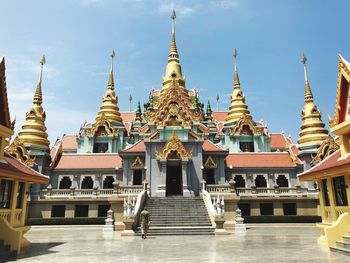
116 188
253 189
276 189
49 191
72 191
95 191
232 186
203 184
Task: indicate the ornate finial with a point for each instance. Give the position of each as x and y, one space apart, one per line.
38 97
130 100
217 102
173 17
235 56
111 78
308 93
208 111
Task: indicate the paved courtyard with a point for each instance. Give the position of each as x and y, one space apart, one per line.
259 244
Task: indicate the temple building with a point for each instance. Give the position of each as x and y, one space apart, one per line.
17 174
176 146
331 170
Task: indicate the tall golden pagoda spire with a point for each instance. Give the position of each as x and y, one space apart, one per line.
238 107
313 130
34 130
173 68
109 107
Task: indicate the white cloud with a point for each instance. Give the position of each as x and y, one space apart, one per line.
226 4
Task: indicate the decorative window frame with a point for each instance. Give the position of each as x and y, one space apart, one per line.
287 175
60 178
266 176
82 177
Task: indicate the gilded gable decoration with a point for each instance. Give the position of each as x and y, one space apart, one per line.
19 151
101 127
328 147
174 147
341 111
210 163
137 163
245 126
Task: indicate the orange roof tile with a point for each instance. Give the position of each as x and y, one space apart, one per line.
219 116
89 161
14 167
136 148
327 165
128 116
250 160
208 146
278 141
69 142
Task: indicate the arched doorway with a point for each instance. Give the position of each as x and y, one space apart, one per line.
282 181
173 175
260 181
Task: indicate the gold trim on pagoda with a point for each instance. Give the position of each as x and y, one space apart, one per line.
109 105
173 147
34 130
313 131
19 151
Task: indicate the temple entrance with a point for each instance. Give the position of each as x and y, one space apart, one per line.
173 178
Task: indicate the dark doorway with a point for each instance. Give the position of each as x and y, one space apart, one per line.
239 181
137 179
87 183
260 181
210 176
65 183
108 182
282 181
173 178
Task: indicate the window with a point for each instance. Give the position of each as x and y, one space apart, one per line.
289 209
245 209
100 147
65 183
58 210
20 194
87 183
81 211
102 210
325 192
108 182
260 181
246 146
341 198
239 181
266 209
5 193
282 181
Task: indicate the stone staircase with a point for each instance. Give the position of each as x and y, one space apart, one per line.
178 216
5 252
343 246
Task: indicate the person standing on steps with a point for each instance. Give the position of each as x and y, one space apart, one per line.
145 221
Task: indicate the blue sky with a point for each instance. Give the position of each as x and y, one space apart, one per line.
77 38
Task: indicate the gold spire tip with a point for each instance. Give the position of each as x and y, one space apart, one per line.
173 15
235 58
42 60
303 59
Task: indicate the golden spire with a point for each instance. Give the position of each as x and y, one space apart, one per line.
173 68
109 105
33 132
238 107
313 131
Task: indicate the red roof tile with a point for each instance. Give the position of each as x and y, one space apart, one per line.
278 141
328 164
69 142
136 148
219 116
239 160
10 164
89 161
208 146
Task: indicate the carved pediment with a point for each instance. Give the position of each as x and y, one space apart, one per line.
19 151
137 163
174 148
328 147
210 163
245 126
102 127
